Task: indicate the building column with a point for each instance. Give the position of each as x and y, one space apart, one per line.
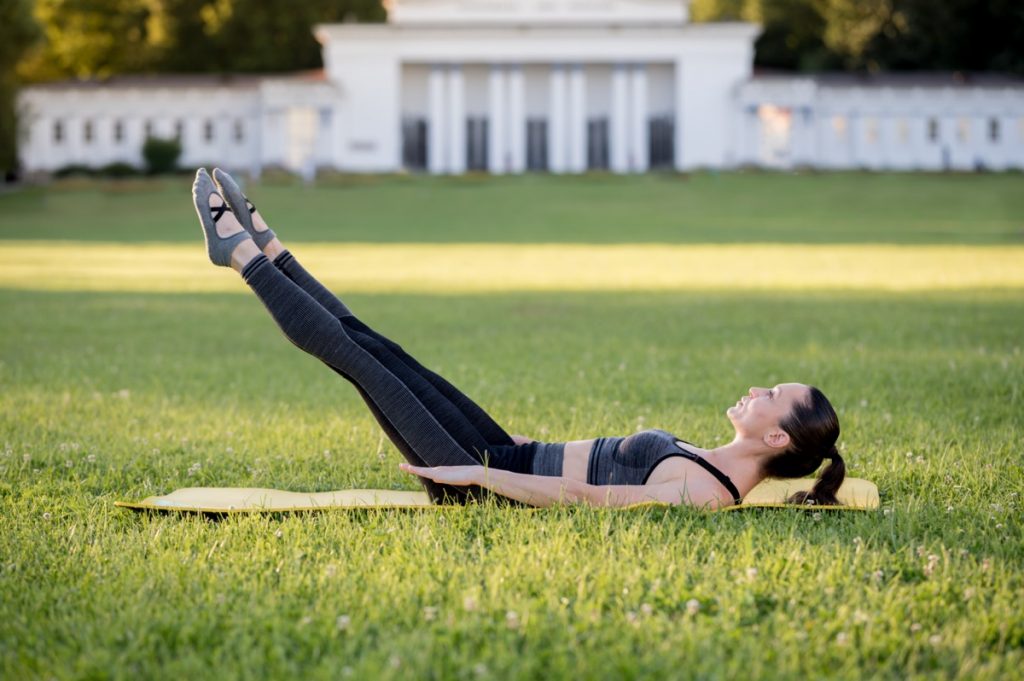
577 120
679 119
456 131
556 121
639 158
437 152
619 123
516 123
497 137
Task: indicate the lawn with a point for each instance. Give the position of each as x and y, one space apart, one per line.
569 308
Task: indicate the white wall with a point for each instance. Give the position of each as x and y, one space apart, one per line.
162 106
710 68
368 120
888 127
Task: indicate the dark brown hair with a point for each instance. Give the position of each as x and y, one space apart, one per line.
813 429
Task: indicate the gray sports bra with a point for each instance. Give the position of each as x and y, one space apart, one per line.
630 460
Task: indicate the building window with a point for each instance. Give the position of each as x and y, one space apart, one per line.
147 128
902 131
239 131
58 132
118 131
179 129
993 129
963 129
839 126
87 132
208 131
933 130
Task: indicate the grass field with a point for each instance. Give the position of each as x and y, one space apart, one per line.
569 308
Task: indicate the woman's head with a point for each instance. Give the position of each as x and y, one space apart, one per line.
800 428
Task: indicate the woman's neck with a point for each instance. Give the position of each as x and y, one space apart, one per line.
740 460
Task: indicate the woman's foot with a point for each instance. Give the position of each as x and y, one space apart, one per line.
247 214
227 242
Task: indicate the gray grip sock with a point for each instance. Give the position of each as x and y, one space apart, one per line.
218 247
243 209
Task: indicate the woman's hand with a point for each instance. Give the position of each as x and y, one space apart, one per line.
449 475
521 439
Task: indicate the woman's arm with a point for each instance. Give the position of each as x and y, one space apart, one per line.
540 490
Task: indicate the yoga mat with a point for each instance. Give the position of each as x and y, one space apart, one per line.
855 494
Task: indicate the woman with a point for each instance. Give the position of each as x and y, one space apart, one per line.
460 453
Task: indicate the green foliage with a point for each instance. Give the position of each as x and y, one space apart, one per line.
874 35
19 31
161 155
115 170
74 170
100 38
114 395
118 169
93 38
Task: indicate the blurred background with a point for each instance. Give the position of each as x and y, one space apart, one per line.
594 217
119 87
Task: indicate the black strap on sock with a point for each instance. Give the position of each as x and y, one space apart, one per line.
217 212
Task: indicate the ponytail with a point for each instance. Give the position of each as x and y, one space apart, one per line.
813 430
825 487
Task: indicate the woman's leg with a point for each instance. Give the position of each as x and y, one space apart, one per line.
312 328
391 402
474 416
486 430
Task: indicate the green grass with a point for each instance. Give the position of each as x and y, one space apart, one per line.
114 389
698 208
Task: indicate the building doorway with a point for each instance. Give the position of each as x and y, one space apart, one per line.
661 142
414 143
537 144
597 144
476 143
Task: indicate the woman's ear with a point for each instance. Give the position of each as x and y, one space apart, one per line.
777 438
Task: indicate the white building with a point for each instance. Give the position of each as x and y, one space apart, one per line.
507 86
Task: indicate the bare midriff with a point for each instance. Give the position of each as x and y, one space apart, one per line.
576 458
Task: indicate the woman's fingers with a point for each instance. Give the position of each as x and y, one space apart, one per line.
453 475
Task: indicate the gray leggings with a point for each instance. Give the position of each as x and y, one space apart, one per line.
429 420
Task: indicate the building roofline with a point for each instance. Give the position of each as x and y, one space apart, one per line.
355 32
193 80
933 79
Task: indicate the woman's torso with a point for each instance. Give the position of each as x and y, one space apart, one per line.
650 455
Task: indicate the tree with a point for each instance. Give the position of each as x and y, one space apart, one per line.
20 31
90 38
880 35
100 38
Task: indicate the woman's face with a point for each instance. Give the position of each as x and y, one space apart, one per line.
758 413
